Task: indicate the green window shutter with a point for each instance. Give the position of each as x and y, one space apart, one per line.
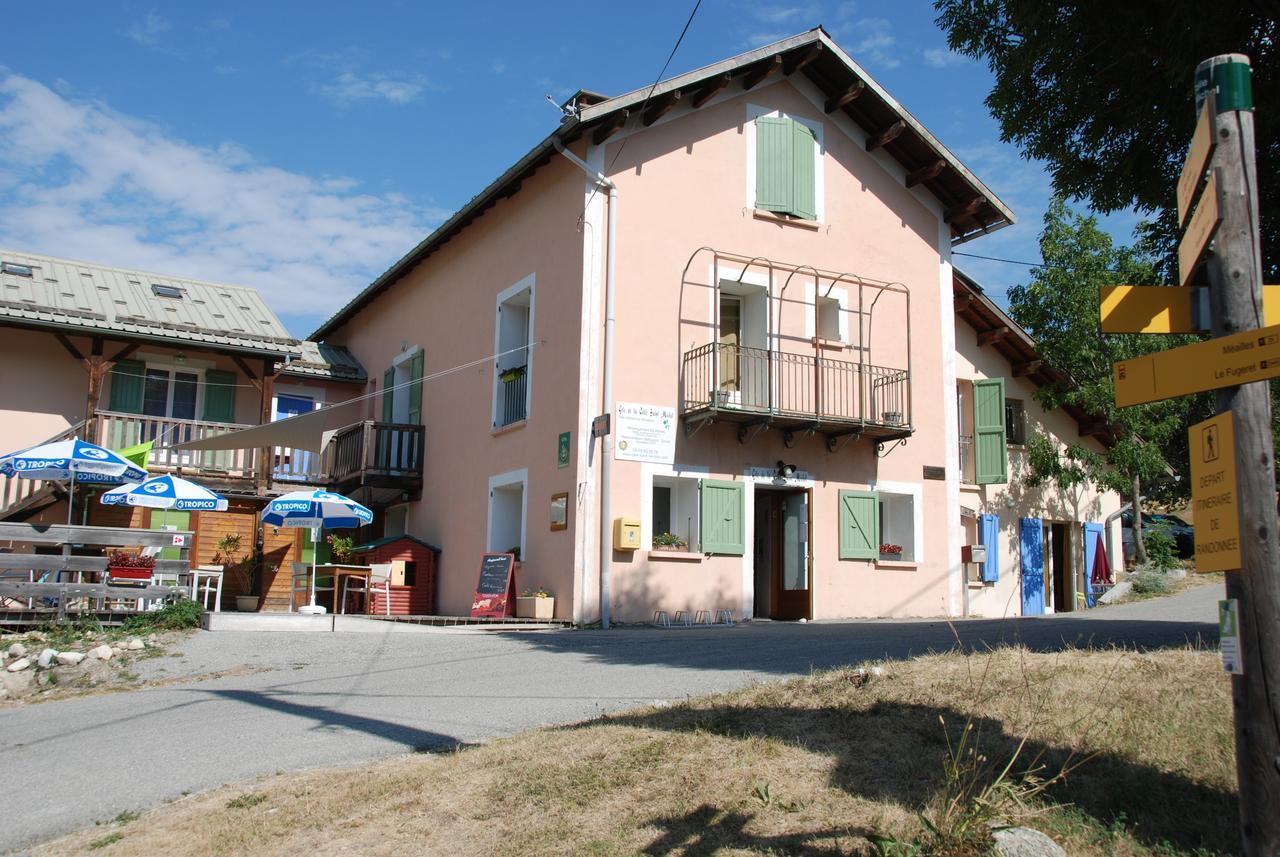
219 396
415 391
723 516
859 525
126 386
388 395
991 454
773 164
803 179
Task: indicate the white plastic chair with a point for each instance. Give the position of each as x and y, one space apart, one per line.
379 581
206 580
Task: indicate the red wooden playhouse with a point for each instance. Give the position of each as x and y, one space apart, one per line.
413 573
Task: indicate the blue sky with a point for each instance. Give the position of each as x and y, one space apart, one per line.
303 147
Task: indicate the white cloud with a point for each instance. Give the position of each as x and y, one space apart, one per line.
941 58
871 42
498 67
84 181
350 87
149 30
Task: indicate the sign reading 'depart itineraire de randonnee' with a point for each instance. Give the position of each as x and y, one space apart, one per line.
1214 502
644 433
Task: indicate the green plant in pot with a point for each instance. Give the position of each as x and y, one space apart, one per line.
669 542
536 604
241 567
340 547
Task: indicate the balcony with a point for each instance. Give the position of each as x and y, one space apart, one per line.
383 457
382 461
757 387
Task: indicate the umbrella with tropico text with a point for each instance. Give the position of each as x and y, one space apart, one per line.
71 461
166 492
318 509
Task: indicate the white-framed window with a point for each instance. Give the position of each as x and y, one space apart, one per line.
172 391
674 510
828 310
898 523
508 509
784 163
513 367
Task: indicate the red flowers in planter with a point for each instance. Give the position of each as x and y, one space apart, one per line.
130 566
890 548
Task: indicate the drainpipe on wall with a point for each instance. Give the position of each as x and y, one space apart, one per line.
606 450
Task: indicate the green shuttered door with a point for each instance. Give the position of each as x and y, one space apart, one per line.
219 396
859 525
991 458
415 391
126 386
388 409
803 201
723 517
773 164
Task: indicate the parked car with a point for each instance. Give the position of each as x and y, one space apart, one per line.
1184 535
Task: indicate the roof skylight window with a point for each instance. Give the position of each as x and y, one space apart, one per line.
166 291
16 269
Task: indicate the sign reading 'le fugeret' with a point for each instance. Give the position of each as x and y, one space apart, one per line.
1226 361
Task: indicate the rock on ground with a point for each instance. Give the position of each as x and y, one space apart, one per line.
17 650
46 658
135 644
19 665
70 658
103 653
1025 842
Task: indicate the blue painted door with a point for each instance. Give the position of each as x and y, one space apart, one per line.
991 539
1031 537
1092 538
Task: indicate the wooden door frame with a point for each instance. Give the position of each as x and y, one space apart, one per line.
774 494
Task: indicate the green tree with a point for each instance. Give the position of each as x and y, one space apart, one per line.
1103 93
1059 308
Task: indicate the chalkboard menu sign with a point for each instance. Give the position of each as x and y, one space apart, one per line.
496 592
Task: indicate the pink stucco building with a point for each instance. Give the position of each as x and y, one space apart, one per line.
759 252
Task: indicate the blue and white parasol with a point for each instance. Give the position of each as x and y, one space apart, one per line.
71 461
166 492
318 509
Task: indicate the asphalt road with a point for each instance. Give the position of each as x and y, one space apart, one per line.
314 700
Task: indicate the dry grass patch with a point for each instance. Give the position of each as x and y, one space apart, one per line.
806 766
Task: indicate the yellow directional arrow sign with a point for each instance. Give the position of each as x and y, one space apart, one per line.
1223 362
1168 309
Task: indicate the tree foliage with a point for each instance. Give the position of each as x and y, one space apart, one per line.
1103 93
1059 308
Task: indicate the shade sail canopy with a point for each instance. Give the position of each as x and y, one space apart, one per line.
305 431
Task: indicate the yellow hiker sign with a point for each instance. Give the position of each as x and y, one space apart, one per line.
1215 505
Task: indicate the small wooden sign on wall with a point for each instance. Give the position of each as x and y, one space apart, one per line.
934 472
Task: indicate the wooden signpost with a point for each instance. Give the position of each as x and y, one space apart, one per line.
1168 309
1232 454
495 595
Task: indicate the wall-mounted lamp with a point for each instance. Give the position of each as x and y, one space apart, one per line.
180 358
786 471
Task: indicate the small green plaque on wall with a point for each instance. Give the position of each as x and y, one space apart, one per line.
562 450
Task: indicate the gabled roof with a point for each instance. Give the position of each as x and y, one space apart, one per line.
970 207
997 330
83 298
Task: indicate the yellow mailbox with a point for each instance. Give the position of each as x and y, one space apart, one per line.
626 534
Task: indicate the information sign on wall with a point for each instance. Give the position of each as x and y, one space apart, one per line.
645 433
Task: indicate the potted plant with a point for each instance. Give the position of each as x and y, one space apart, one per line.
130 566
669 542
535 604
340 547
893 418
242 569
890 551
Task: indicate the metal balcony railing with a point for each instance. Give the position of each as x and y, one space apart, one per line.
803 387
514 394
